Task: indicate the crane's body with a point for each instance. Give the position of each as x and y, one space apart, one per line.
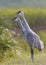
30 36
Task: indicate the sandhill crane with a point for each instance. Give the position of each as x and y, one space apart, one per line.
30 36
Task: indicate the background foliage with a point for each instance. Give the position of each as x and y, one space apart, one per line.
12 44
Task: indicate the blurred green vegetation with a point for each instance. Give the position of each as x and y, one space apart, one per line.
15 46
33 16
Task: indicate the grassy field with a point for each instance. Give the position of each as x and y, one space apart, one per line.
14 50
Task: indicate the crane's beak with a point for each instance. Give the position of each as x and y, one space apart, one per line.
18 12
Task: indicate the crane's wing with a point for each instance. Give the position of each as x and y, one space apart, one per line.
30 37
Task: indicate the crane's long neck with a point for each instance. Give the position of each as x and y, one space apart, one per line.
26 26
21 26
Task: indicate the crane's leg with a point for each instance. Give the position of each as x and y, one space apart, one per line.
32 53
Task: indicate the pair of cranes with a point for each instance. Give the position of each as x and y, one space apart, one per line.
30 36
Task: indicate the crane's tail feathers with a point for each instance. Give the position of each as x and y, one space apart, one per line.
42 44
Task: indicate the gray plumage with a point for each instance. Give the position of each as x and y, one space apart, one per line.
30 36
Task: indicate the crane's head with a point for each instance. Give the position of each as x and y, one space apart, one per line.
20 13
16 19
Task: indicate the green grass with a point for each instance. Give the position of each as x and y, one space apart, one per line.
33 16
39 59
20 54
14 50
